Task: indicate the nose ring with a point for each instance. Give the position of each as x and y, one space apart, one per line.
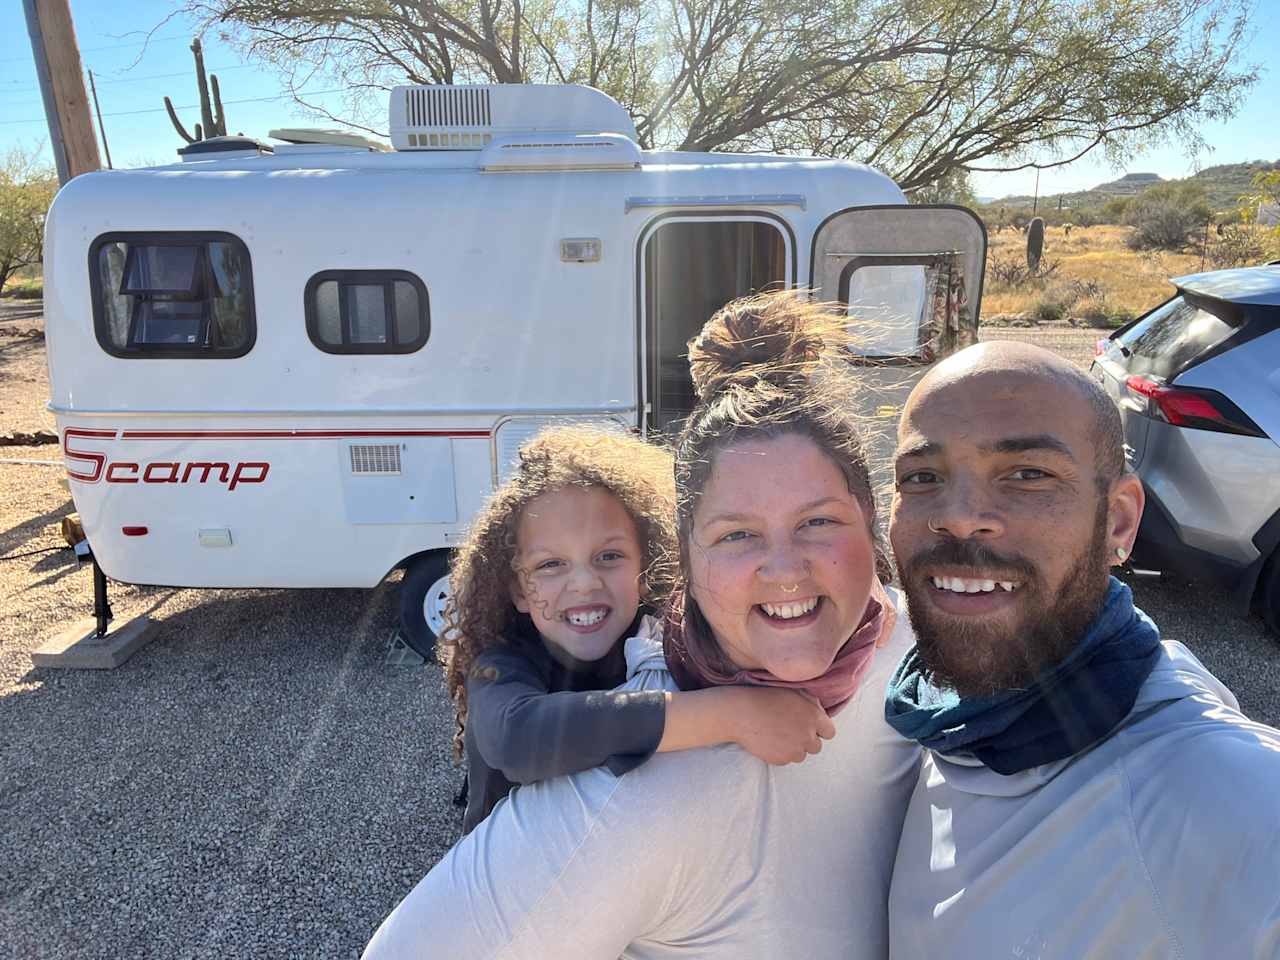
932 528
791 589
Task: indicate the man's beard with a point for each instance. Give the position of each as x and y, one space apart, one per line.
978 658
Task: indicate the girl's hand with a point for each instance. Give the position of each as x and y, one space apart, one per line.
778 726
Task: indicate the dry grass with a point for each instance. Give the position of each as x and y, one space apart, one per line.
1129 280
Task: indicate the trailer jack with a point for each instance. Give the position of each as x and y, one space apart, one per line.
93 644
101 607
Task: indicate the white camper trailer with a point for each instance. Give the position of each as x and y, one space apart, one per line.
308 365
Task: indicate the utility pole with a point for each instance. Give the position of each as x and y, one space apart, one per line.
66 105
97 108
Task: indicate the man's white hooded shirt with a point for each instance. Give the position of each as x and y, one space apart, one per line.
1162 841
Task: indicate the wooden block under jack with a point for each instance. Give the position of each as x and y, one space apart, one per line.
72 529
80 648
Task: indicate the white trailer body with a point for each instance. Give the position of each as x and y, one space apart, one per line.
308 368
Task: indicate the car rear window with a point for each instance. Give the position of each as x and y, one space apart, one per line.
1171 337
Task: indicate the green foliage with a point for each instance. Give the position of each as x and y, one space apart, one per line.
917 88
26 190
1240 245
1165 217
1101 313
1116 209
1050 308
953 186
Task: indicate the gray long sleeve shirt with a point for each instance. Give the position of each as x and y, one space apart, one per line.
530 718
702 853
1162 842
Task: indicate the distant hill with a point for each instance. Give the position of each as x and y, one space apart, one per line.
1223 183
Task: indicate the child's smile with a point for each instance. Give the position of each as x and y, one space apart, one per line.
578 563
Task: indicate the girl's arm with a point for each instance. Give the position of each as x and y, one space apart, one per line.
778 726
530 734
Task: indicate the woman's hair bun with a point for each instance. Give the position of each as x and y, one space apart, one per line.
771 338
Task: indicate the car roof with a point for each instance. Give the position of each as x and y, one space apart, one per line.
1241 285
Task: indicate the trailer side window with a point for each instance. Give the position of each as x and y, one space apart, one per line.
367 311
172 295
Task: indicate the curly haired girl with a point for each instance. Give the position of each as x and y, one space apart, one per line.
568 560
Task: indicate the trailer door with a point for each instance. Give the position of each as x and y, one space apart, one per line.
910 279
690 266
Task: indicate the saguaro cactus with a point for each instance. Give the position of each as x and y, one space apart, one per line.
213 121
1035 244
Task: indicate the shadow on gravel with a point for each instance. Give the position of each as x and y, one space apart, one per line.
256 782
19 535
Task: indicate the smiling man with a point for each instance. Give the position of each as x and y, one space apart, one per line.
1088 791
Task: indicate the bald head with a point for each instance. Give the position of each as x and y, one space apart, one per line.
997 361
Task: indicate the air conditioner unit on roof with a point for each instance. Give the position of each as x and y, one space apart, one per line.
469 117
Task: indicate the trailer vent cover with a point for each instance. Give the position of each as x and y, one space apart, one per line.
375 458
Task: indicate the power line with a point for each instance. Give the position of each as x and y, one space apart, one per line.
116 46
155 76
190 106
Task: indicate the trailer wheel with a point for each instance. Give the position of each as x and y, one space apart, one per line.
424 591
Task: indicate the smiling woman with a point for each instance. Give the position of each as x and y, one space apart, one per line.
709 852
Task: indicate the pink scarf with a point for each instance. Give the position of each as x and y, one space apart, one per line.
694 670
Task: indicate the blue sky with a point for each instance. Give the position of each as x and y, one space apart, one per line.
132 80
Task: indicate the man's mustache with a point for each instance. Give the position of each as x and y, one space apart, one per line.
971 553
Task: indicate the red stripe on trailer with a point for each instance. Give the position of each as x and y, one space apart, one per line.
294 434
97 459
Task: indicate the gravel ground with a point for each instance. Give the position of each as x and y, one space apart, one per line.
258 782
24 379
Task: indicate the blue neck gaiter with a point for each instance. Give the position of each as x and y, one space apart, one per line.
1065 710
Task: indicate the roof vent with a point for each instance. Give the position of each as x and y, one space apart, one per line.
559 151
221 147
470 117
330 138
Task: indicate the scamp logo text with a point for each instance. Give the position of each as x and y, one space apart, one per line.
91 466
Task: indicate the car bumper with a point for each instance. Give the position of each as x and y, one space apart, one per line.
1159 547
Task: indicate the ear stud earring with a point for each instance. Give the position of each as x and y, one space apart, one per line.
1122 554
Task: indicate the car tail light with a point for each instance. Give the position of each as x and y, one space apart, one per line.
1193 407
1100 347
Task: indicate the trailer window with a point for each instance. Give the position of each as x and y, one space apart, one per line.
367 311
172 295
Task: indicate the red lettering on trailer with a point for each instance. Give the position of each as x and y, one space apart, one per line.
97 459
111 473
147 476
206 469
240 467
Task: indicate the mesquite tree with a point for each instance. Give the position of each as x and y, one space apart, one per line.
918 88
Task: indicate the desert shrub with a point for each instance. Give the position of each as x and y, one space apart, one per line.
1087 217
1014 272
1115 210
1049 308
1098 312
1165 217
1240 245
1081 289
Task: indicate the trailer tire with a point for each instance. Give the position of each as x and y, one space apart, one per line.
423 594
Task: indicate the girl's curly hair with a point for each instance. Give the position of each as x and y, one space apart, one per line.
480 614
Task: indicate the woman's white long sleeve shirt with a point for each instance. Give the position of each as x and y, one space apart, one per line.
702 853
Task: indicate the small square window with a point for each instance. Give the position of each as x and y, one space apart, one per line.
367 311
172 295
